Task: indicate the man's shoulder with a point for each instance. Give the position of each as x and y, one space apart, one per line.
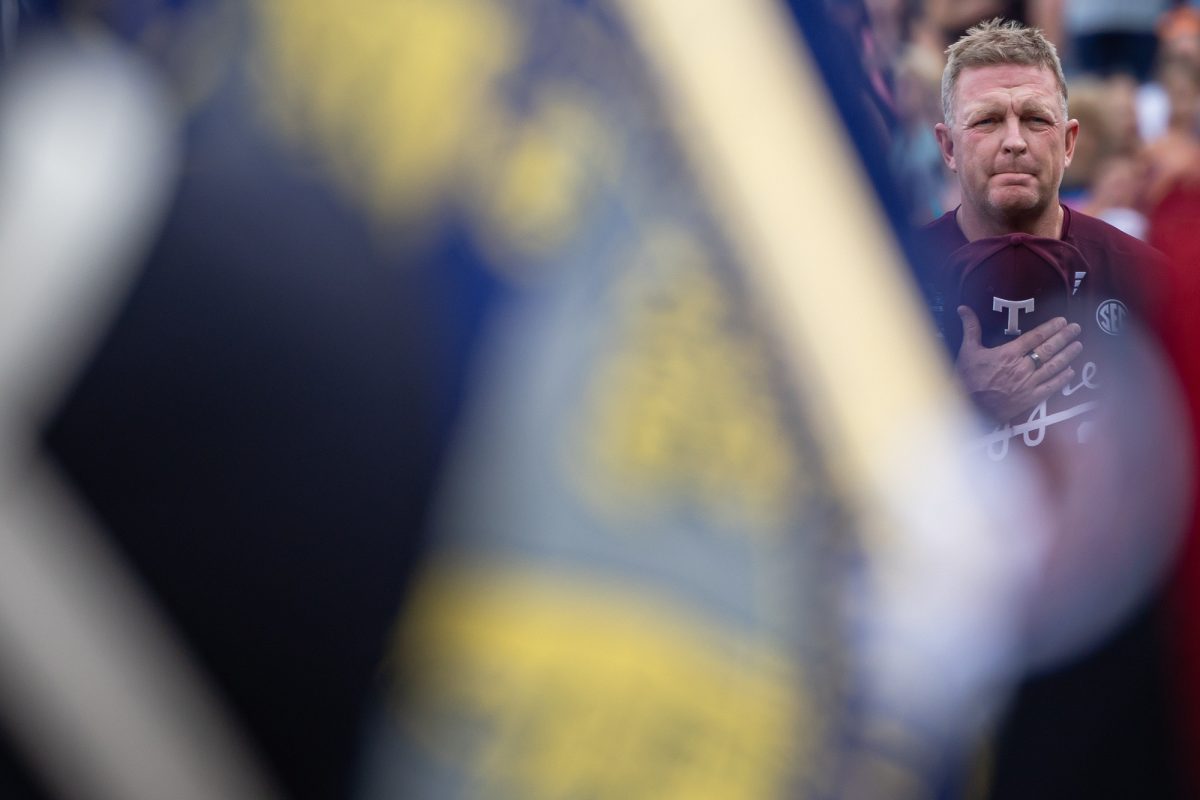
944 227
1098 240
1123 264
939 238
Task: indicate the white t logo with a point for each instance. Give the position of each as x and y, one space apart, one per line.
1014 309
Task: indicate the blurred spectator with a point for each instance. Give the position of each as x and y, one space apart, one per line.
914 153
1121 119
1174 156
1092 146
1115 193
1179 32
855 23
1106 37
890 21
1179 40
1108 128
951 18
1172 230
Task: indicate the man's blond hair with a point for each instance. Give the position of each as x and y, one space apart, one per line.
999 42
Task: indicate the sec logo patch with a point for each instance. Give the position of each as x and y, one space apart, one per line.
1110 316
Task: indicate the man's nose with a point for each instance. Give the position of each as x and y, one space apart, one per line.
1014 140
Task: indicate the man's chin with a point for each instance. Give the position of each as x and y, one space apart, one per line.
1017 205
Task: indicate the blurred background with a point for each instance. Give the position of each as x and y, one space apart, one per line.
533 399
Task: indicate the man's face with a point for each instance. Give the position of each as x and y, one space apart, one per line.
1008 141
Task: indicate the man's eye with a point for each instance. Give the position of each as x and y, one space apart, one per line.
985 121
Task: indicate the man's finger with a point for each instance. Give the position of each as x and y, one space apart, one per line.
1053 386
1059 341
972 333
1051 366
1027 341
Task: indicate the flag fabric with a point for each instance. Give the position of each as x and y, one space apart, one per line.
662 505
528 399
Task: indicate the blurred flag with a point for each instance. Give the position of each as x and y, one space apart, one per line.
704 527
704 531
95 688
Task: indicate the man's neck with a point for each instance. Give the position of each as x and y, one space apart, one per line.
975 226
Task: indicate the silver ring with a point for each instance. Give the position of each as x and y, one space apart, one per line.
1037 360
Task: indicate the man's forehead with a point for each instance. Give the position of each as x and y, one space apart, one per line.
1007 83
1003 98
1007 77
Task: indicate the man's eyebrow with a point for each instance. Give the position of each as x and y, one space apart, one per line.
1037 106
981 107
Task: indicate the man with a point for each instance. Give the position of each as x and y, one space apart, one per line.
1008 138
1096 727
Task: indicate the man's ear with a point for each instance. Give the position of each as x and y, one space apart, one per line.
946 145
1072 134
